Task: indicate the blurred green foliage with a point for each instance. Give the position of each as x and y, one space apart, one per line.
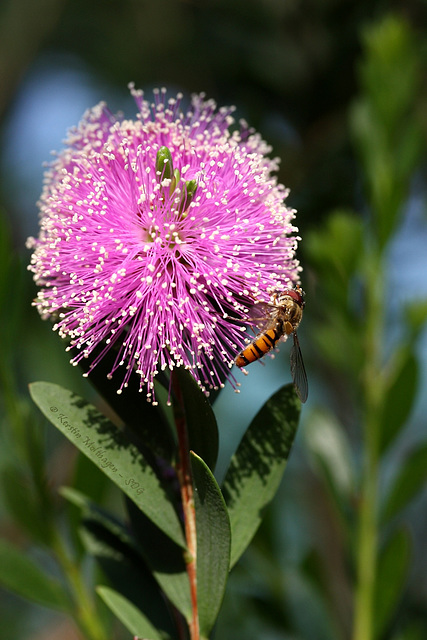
338 89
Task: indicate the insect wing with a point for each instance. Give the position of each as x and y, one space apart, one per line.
298 373
260 315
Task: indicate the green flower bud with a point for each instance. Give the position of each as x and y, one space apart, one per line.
188 194
164 164
175 181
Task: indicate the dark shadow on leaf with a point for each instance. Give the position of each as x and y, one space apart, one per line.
159 551
267 441
203 437
110 437
145 420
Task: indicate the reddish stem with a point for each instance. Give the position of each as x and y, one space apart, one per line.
187 497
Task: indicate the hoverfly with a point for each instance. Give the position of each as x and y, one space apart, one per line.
275 321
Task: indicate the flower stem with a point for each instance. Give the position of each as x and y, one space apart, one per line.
373 393
187 497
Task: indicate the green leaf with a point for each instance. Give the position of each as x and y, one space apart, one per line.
101 441
391 574
330 452
328 443
128 614
201 422
93 513
409 481
257 467
213 544
400 397
164 558
142 417
22 576
116 551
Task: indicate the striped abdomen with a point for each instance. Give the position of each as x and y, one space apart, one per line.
261 345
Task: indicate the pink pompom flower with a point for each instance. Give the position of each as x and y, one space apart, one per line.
157 235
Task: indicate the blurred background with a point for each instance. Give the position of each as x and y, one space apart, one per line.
293 71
